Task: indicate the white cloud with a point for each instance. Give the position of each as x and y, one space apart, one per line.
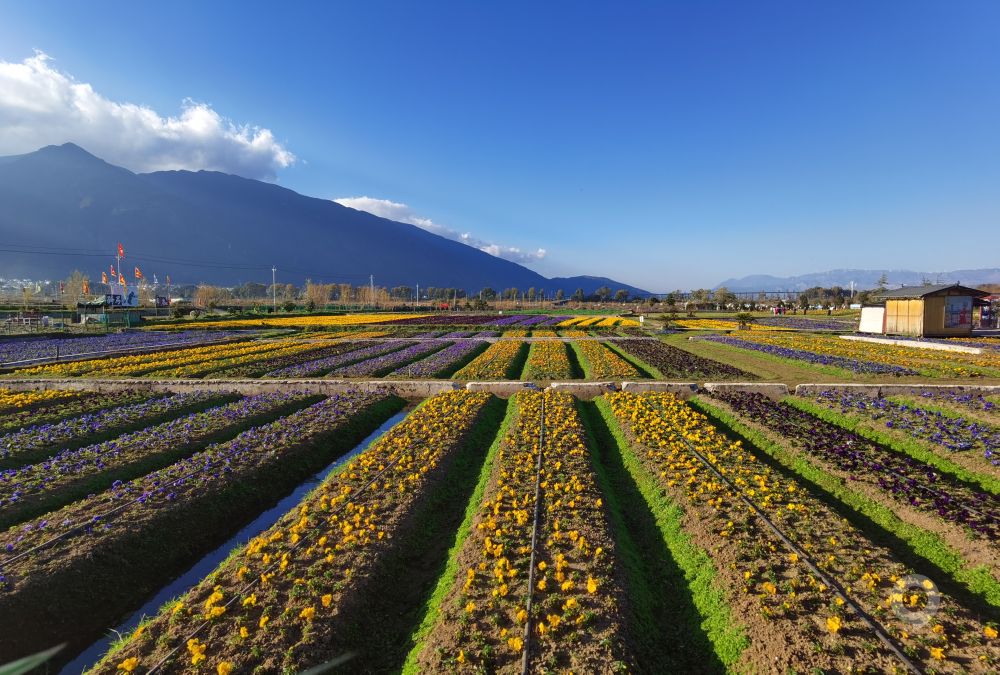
40 105
404 214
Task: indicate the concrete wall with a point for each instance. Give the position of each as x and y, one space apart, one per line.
876 390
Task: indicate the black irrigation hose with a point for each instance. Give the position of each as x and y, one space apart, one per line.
246 587
879 630
526 654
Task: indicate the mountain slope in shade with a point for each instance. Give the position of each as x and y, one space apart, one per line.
69 209
862 279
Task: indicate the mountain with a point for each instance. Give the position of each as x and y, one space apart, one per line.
589 284
62 209
862 279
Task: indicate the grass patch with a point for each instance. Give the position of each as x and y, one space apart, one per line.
923 550
679 616
911 447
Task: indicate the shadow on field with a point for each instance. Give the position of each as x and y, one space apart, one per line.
665 626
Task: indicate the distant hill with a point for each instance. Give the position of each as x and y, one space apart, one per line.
862 279
62 209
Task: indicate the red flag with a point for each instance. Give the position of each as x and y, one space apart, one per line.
121 251
104 277
138 272
113 273
121 279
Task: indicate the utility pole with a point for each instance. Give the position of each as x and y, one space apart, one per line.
418 297
371 286
274 290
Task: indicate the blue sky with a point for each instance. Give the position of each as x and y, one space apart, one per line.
662 144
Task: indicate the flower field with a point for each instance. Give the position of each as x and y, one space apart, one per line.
900 478
907 359
859 365
724 324
851 527
951 433
48 348
304 321
600 363
386 363
148 528
548 360
821 539
442 363
501 361
559 601
31 442
806 586
675 363
36 488
295 580
63 405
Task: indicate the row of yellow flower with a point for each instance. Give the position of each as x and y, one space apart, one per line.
293 321
788 592
286 586
481 627
548 360
138 364
597 321
722 324
494 363
515 333
12 400
544 333
932 361
602 363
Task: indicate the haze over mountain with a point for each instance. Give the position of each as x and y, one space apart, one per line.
862 279
62 208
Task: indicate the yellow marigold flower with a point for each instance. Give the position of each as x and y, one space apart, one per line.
308 613
263 621
938 628
244 633
990 632
224 668
128 665
769 587
937 653
471 607
793 557
833 624
215 612
541 585
567 586
178 607
522 616
515 643
461 656
326 600
250 600
591 584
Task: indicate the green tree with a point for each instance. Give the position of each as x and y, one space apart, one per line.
560 294
603 293
578 295
621 295
883 282
804 302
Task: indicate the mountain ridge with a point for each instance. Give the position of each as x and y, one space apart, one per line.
862 278
61 207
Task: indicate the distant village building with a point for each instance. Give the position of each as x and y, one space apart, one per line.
937 310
